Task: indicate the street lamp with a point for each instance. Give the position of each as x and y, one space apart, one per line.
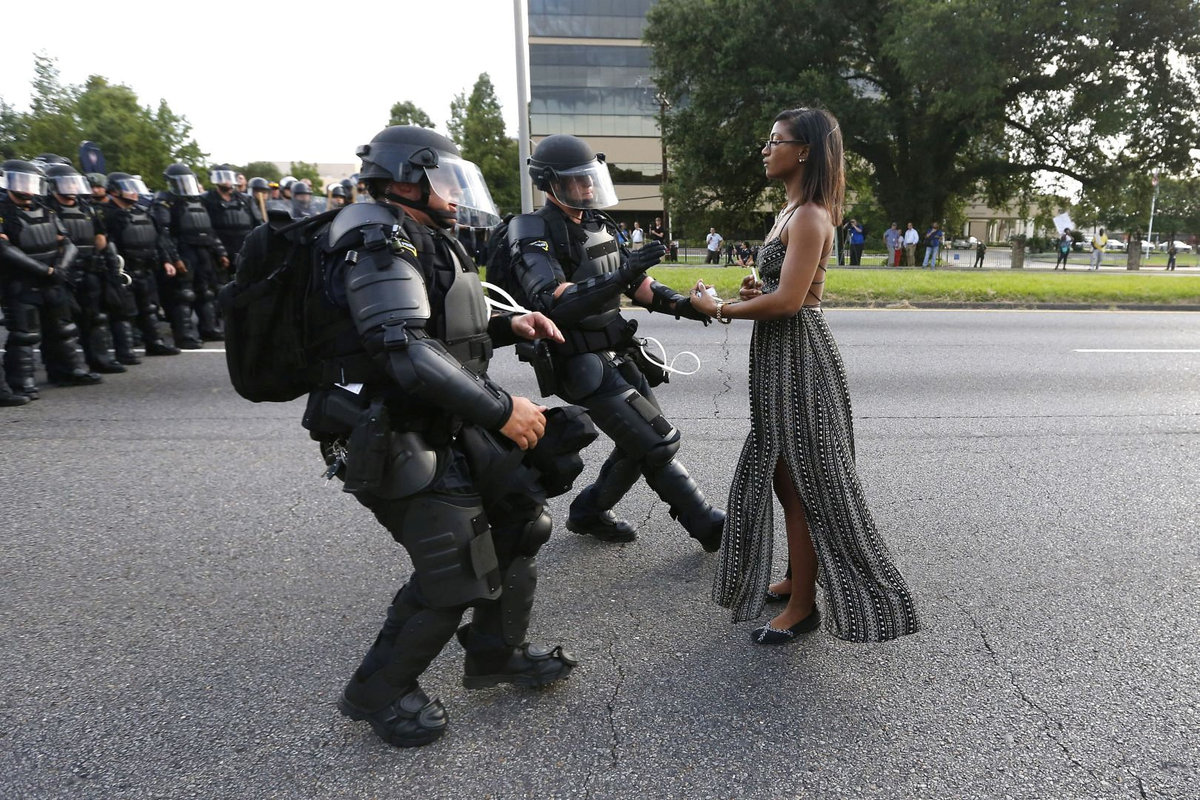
663 105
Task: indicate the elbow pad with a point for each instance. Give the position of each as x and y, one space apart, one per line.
422 366
580 300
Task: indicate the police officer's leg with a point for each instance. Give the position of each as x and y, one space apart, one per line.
60 341
24 334
636 424
146 296
205 285
94 332
497 651
177 297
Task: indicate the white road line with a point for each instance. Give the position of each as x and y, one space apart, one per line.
1144 350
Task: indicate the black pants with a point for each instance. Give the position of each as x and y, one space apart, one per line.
856 255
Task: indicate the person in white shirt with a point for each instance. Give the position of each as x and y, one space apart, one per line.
1099 242
713 242
911 237
636 236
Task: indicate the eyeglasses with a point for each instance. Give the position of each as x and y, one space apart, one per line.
772 142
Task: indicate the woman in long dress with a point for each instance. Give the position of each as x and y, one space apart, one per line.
801 440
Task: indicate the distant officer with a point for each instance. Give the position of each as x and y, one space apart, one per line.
570 266
180 212
85 227
36 259
148 253
260 195
302 200
230 211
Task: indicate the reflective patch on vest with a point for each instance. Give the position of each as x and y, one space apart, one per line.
405 246
541 244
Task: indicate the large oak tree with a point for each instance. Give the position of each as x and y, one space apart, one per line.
938 100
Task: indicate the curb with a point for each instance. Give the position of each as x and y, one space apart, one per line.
1014 306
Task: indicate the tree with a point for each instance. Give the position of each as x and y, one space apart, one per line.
14 131
261 169
303 169
477 127
941 100
126 132
406 113
51 126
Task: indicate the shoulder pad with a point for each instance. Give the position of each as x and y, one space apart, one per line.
526 226
162 197
360 215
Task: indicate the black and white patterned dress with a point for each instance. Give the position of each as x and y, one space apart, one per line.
801 413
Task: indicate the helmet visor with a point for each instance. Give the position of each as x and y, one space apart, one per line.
131 186
226 177
25 183
71 184
586 186
460 182
185 185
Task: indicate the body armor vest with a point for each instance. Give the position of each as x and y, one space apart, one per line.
229 216
81 228
137 236
461 315
190 223
36 233
601 256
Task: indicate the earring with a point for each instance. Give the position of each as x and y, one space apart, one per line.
801 160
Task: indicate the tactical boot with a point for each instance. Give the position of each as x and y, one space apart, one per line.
530 665
122 335
78 377
10 399
587 520
411 720
161 348
706 526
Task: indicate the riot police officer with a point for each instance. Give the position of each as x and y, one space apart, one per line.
180 212
36 262
302 200
260 195
337 196
147 251
85 227
424 438
568 264
230 211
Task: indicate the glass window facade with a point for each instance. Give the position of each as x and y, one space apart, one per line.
590 19
591 90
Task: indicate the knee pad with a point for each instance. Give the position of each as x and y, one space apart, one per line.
100 318
186 296
535 534
450 543
24 338
582 375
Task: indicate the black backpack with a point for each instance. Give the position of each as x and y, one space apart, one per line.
265 311
498 262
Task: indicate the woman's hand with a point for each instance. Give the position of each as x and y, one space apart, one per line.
750 288
702 301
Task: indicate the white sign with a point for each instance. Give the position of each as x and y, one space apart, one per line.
1062 222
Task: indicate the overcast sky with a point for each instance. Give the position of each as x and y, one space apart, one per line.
269 81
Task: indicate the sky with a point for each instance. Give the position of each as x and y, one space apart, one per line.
269 81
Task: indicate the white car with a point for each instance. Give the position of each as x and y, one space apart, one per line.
1180 247
1116 245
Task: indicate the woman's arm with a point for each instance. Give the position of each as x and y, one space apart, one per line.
807 237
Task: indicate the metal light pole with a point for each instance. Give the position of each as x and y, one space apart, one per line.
1153 202
663 105
522 47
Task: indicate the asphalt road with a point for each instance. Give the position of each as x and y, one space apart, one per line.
183 596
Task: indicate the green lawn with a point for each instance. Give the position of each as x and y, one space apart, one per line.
888 286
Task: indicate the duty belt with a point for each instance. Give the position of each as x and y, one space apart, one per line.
616 335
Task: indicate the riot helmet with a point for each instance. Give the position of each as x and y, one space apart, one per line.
97 179
259 185
23 179
182 181
338 196
65 181
412 154
565 167
126 187
47 159
224 176
302 205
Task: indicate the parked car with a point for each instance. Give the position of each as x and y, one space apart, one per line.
1180 247
964 244
1116 245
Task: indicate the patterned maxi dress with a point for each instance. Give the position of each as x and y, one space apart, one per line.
800 412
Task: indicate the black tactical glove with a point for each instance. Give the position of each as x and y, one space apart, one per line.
683 308
641 260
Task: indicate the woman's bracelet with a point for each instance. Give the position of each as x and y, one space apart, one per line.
717 316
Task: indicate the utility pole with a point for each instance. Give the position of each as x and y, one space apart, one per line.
522 47
663 105
1153 202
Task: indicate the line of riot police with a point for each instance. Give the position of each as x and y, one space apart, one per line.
89 265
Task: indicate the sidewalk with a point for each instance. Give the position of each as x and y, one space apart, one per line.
998 258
